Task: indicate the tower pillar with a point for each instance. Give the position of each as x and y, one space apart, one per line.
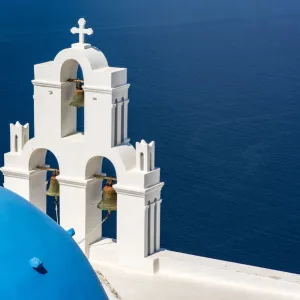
125 119
138 223
79 210
120 122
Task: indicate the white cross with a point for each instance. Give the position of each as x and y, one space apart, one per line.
82 30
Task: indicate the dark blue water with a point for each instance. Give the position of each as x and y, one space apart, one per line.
216 84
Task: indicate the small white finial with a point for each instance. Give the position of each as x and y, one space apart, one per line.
82 30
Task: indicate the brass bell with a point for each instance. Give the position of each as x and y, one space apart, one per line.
109 198
78 97
53 190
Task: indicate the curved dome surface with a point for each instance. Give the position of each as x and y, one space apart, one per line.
28 233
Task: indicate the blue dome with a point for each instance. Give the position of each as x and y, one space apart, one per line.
28 233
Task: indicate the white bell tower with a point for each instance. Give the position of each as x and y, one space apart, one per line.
80 154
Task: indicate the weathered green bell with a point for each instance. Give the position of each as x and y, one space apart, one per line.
78 97
109 198
53 190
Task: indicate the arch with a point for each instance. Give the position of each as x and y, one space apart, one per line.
99 165
37 158
93 166
51 205
38 194
122 158
96 164
73 119
89 60
69 70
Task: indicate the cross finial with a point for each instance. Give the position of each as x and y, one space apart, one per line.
82 30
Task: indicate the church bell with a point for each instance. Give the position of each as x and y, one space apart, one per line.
78 97
53 190
109 198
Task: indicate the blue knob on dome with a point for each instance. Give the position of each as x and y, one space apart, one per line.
35 263
71 231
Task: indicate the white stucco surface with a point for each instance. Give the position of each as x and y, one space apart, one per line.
209 279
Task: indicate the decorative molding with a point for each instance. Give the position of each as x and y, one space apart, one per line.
120 87
155 202
49 84
137 192
104 90
95 89
68 181
19 173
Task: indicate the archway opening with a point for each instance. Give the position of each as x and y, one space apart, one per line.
72 98
80 111
109 228
52 205
40 182
101 166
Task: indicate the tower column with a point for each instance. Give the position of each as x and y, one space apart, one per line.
125 119
136 230
119 122
152 228
78 209
158 214
114 126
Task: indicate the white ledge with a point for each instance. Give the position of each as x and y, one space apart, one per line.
19 173
137 192
68 181
180 276
48 83
104 90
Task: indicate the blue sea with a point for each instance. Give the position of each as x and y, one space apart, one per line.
216 84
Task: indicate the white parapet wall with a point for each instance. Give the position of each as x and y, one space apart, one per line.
205 276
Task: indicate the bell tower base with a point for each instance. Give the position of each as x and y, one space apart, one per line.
106 251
